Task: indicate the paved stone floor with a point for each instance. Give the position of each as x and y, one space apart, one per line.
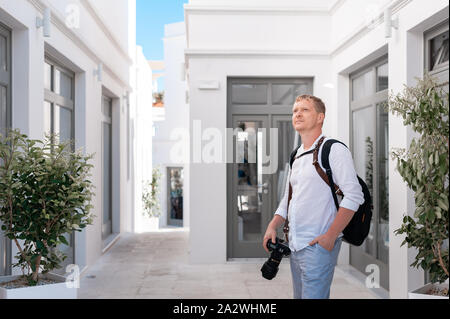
155 265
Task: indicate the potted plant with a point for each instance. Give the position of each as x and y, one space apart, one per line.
150 199
44 194
425 169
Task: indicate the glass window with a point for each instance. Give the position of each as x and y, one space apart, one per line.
286 137
3 53
286 94
383 184
3 114
382 77
249 94
58 113
363 139
438 50
363 85
249 178
62 84
47 118
106 106
107 180
47 76
62 119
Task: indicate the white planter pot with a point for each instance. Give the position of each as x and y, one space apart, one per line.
51 291
421 293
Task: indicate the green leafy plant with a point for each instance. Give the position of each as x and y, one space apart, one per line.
425 169
369 164
44 193
150 195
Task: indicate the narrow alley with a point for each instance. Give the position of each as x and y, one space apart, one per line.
155 265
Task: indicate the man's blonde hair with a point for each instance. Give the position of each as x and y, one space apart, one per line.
318 103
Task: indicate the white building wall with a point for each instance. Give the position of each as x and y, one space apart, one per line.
288 42
171 131
353 36
127 134
80 48
260 31
111 12
405 54
142 117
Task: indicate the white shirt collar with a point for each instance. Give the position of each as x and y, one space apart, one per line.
302 148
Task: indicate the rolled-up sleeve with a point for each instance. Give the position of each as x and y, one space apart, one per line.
282 207
344 175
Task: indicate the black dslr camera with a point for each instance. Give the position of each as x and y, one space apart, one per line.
279 250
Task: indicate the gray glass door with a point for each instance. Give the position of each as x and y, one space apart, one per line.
175 196
5 114
257 171
251 197
287 141
370 148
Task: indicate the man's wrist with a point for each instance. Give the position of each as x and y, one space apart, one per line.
272 226
332 234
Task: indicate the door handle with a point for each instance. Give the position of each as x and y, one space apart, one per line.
265 187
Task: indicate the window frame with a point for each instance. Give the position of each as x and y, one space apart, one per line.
427 37
6 76
53 98
441 72
6 81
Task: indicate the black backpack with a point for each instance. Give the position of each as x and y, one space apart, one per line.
358 228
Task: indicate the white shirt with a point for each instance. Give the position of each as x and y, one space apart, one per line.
312 209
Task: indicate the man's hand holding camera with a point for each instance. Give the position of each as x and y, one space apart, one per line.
271 231
271 234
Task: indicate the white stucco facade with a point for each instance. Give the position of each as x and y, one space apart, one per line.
326 40
141 119
84 35
169 143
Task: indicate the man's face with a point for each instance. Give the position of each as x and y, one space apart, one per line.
305 117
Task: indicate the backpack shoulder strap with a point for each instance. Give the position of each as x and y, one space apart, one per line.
326 164
326 148
292 156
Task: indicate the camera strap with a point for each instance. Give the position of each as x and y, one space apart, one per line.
319 170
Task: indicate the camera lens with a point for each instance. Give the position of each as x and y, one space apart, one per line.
269 270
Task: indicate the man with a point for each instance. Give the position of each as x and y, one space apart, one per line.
315 227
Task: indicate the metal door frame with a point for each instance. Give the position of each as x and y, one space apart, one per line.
107 188
359 258
5 80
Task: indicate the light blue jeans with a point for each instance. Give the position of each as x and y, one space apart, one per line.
312 271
